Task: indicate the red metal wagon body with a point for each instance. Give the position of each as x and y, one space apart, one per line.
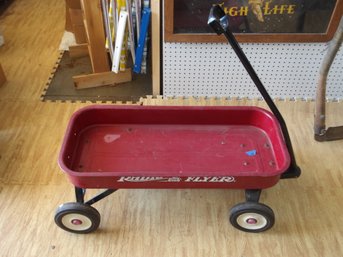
173 147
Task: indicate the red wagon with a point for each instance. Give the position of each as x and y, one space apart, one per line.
115 147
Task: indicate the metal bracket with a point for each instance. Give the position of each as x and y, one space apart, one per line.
253 195
330 134
80 194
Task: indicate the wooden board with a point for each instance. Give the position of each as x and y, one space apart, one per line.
70 4
76 16
75 19
75 4
2 76
80 34
77 51
95 35
102 79
156 45
68 25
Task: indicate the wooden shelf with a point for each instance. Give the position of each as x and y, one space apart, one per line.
86 21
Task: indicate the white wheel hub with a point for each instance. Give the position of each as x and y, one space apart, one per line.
252 221
76 221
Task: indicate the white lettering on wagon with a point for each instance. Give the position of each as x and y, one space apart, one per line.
211 179
178 179
149 179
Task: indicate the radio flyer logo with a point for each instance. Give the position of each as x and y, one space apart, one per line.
177 179
149 179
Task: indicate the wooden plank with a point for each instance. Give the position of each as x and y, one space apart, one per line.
68 25
75 4
102 79
77 51
72 5
95 35
155 45
80 34
2 76
76 16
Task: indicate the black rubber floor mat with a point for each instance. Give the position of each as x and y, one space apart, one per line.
60 86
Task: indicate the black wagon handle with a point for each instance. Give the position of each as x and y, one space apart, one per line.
219 22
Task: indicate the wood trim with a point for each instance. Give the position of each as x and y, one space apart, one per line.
80 34
76 16
68 23
95 35
75 4
77 51
168 16
2 76
102 79
155 46
335 19
170 36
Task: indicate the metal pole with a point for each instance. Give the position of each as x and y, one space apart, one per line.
319 115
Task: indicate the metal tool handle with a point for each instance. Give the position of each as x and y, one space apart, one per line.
219 22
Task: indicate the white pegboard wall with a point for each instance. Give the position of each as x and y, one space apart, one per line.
288 70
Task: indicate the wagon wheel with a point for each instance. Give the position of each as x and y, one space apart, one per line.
252 217
77 218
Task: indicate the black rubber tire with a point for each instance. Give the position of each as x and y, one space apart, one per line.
261 214
87 217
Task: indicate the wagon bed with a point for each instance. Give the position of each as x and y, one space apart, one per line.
159 147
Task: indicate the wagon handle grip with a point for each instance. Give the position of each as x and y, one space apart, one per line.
219 22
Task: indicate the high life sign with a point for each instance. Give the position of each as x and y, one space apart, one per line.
278 20
259 8
177 179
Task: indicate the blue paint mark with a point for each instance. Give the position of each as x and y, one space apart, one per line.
251 153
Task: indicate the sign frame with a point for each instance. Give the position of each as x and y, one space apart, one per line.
171 36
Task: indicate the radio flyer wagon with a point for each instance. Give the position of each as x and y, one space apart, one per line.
114 147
